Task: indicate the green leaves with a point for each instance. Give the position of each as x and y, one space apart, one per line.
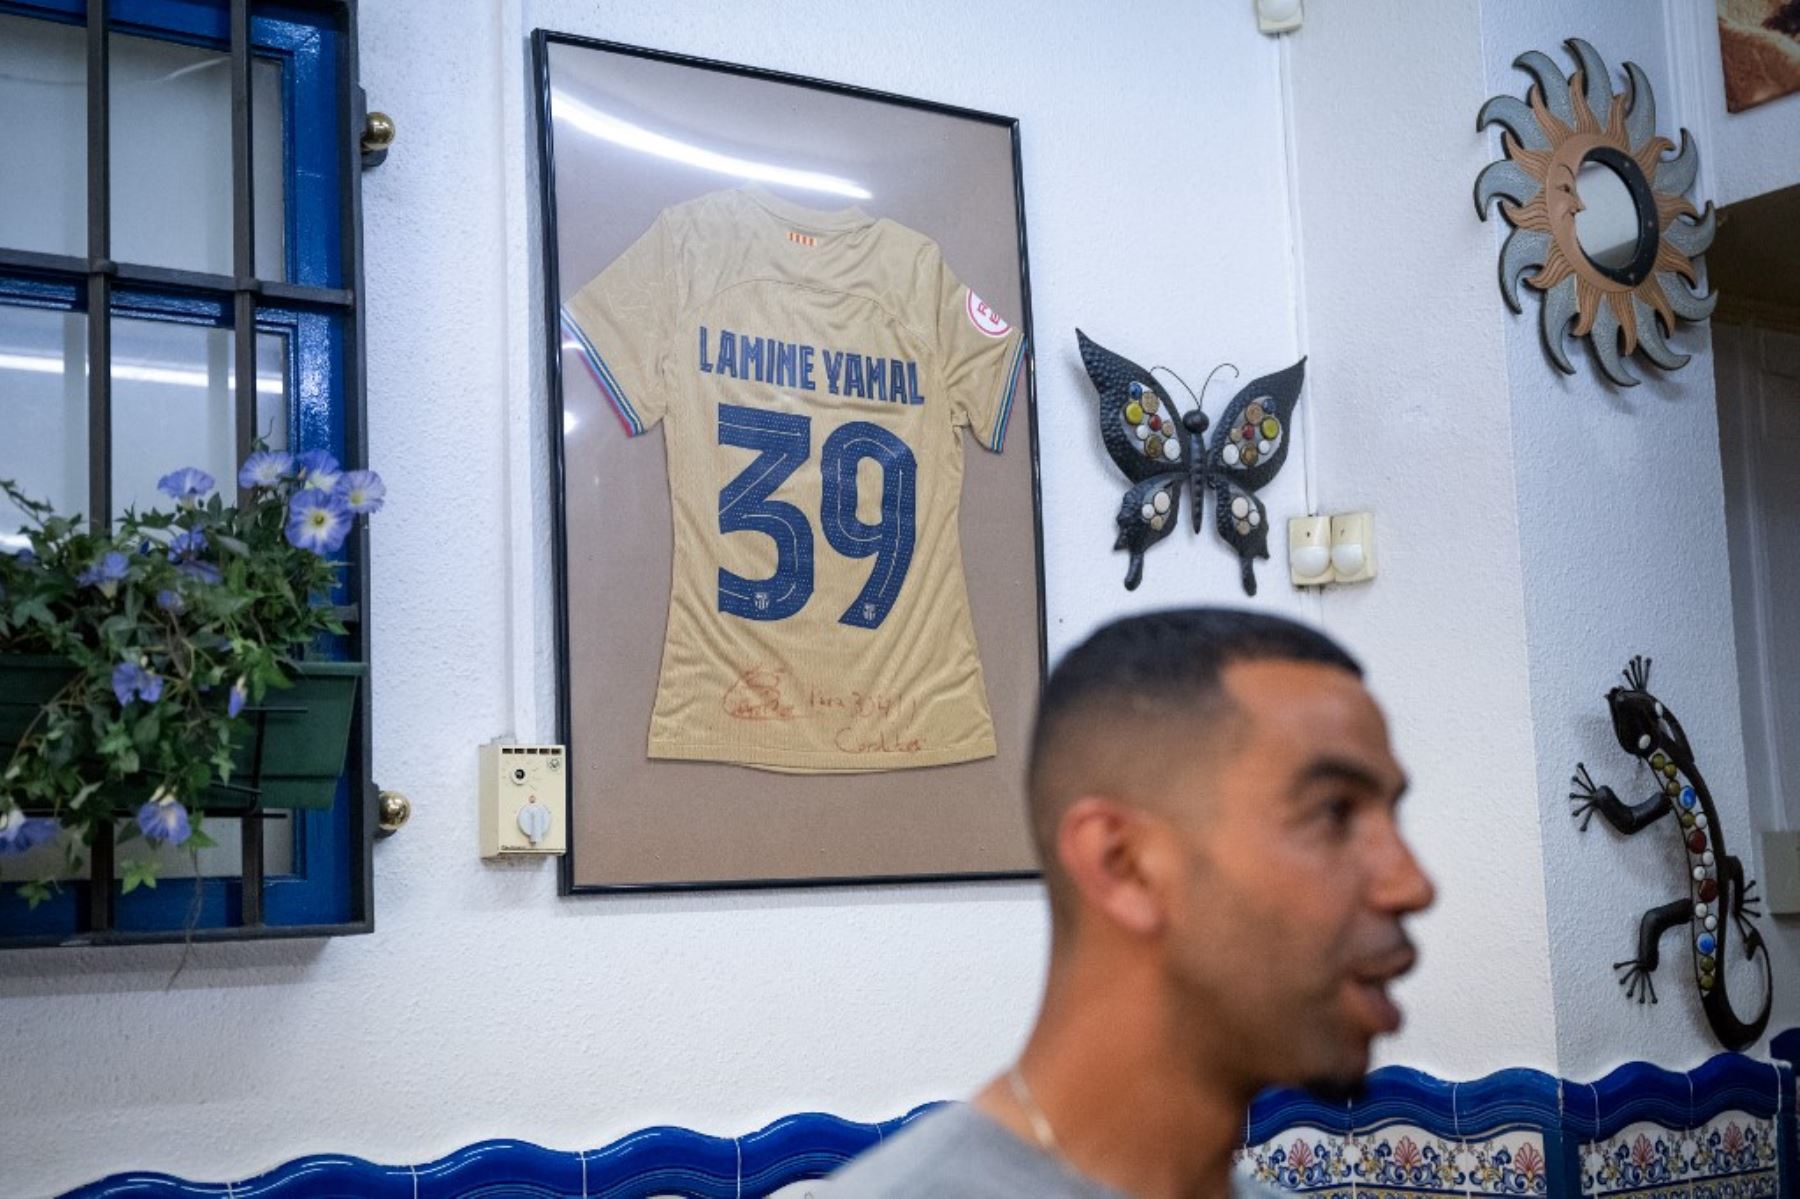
34 610
144 732
116 741
135 873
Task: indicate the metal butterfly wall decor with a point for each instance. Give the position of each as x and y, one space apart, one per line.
1159 449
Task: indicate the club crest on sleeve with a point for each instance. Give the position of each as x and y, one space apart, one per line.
984 318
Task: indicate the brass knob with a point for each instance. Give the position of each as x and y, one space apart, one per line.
377 136
378 132
395 811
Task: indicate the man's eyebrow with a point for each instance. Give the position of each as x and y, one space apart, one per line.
1347 770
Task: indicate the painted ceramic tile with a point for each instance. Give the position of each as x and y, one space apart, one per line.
1270 1165
1303 1159
1509 1163
1645 1161
1734 1158
1401 1159
1760 1184
1735 1143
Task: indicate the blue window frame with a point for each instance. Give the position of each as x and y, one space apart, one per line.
312 309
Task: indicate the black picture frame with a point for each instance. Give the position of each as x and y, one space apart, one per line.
986 794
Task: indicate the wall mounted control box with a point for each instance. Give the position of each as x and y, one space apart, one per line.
524 790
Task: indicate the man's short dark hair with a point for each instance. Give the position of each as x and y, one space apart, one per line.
1144 669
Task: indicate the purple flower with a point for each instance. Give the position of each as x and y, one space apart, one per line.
189 485
201 572
131 681
320 471
362 490
106 572
170 601
186 544
162 818
318 522
239 695
265 468
19 833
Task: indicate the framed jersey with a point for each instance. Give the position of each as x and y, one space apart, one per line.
799 640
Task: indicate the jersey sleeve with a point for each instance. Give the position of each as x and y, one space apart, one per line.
983 360
621 321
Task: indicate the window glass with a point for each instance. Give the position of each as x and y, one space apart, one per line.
43 410
43 117
224 860
171 157
174 405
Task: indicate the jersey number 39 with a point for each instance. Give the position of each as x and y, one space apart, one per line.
783 442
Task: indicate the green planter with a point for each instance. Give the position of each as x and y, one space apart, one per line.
305 731
26 684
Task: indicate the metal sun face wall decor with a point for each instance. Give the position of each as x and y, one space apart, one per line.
1719 897
1598 211
1158 448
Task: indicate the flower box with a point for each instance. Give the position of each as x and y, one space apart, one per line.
302 734
161 673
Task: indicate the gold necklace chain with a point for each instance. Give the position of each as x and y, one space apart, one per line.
1040 1123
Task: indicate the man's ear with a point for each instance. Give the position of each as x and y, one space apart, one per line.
1116 859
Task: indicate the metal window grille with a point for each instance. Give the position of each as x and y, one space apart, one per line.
316 308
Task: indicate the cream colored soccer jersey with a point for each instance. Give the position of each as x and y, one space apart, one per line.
813 373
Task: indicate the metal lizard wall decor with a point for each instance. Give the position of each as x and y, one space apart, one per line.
1719 896
1158 448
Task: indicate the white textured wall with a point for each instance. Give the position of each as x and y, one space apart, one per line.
1516 507
1622 522
1410 396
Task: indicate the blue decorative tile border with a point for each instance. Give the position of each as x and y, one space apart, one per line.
1726 1128
650 1162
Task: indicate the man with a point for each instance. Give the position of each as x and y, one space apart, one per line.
1213 797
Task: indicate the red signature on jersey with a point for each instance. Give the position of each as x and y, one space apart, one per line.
764 693
757 696
868 704
853 741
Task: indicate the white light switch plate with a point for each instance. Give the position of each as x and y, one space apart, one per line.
1353 547
1309 550
524 792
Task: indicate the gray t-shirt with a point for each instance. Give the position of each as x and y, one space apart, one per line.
959 1152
